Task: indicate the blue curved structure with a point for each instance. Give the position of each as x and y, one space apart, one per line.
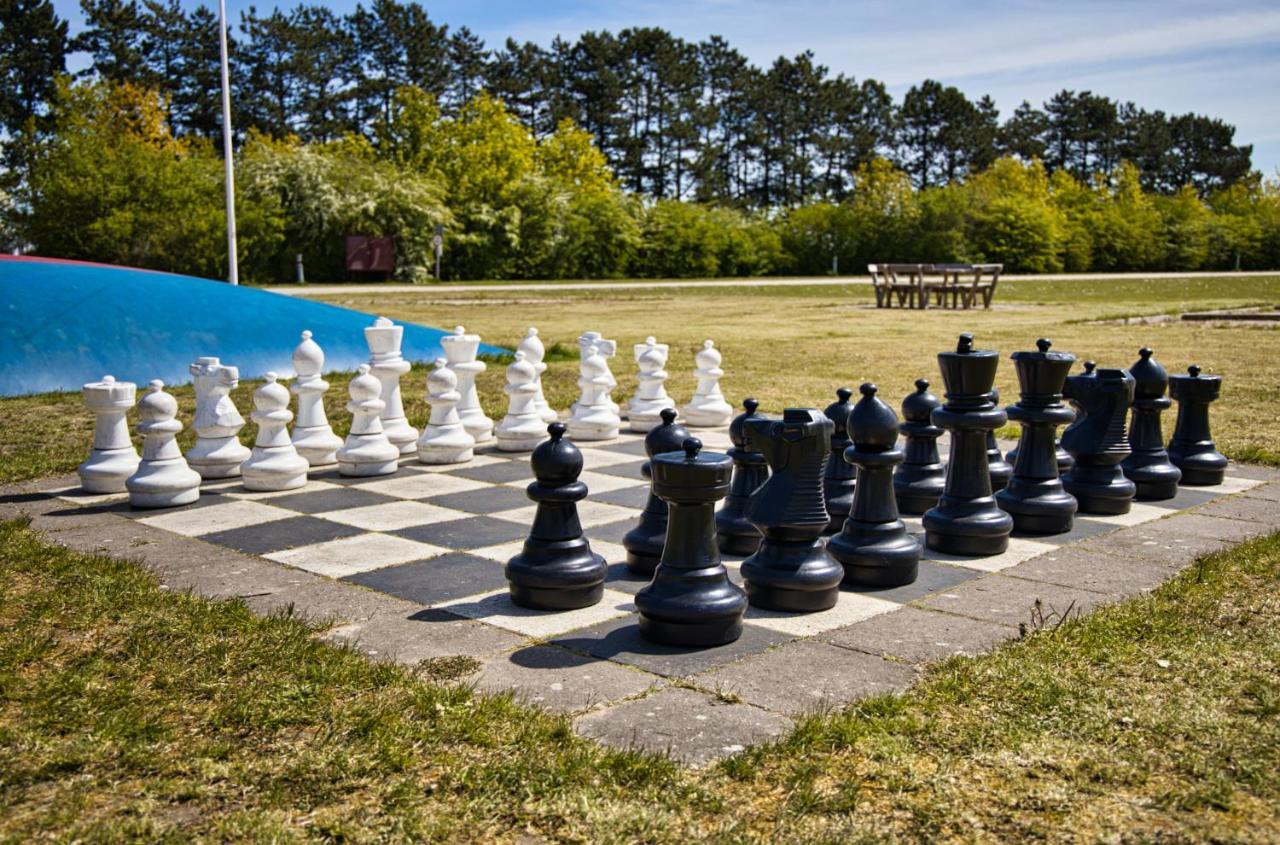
64 323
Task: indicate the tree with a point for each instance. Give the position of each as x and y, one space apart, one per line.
1022 135
113 38
33 50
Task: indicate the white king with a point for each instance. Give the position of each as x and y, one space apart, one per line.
388 365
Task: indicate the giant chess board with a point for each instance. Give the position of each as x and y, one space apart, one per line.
438 536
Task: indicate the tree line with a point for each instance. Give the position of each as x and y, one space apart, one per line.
674 119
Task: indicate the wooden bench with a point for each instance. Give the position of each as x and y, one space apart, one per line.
940 285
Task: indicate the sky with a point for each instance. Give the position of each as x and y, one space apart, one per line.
1216 58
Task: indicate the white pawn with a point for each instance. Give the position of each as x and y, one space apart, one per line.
217 452
388 365
367 451
522 428
645 408
312 436
163 479
534 352
274 463
606 349
593 415
460 350
113 458
444 440
708 408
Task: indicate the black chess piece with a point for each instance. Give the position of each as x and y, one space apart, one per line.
644 542
1065 461
919 479
1035 497
734 532
1097 440
1148 465
791 570
840 477
691 602
1000 469
873 546
556 570
1192 449
967 520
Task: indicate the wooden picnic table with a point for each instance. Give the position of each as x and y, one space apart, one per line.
946 285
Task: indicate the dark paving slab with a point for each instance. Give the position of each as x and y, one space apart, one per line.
627 497
611 532
497 473
624 580
1013 601
1269 492
474 533
619 640
631 469
1177 540
281 534
933 578
1243 507
561 681
804 677
691 726
438 579
488 500
327 500
918 636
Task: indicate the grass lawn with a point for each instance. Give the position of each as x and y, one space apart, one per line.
129 713
785 346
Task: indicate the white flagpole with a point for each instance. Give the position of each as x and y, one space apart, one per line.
233 275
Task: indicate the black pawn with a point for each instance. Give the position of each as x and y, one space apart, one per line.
919 479
1000 469
967 520
557 569
734 532
840 477
644 542
1192 449
691 602
1148 465
1035 496
1065 461
1098 442
874 546
791 570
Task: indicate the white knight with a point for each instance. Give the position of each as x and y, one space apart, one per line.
606 349
217 452
593 415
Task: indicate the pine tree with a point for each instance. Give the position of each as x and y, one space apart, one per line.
33 50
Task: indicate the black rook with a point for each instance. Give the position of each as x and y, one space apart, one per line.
967 520
556 569
1035 496
791 570
874 546
1192 449
644 542
691 602
1148 465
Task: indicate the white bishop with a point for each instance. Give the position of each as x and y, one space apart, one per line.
274 463
312 435
645 408
534 352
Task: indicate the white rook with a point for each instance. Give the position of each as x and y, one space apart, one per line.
112 459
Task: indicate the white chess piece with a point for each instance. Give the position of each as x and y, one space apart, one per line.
388 365
217 452
444 440
274 463
593 415
522 428
113 458
645 408
460 350
707 409
163 479
312 435
367 451
606 349
534 352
